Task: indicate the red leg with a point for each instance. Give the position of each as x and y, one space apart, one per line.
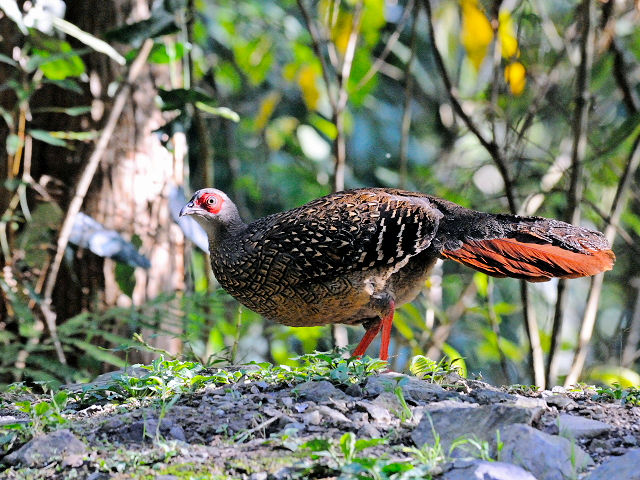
387 322
368 337
384 325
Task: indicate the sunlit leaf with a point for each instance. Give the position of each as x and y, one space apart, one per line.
308 78
223 112
609 375
88 39
47 137
507 36
477 33
56 59
266 109
516 77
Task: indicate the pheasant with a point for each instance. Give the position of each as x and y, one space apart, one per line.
354 256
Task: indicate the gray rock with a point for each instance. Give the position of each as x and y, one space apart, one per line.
332 414
320 391
618 468
491 395
547 457
530 402
559 401
580 427
41 450
483 470
480 423
413 388
377 413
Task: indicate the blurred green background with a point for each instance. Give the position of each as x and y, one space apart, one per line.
522 106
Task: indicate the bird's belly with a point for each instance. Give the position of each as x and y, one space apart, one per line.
338 300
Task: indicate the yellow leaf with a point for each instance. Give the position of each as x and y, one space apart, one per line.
516 77
339 23
507 36
308 81
267 107
477 33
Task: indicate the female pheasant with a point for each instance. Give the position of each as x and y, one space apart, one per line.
353 256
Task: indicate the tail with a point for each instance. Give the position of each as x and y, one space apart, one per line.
532 248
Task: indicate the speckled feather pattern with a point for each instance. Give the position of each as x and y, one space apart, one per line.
342 257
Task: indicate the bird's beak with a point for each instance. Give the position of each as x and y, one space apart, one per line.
188 209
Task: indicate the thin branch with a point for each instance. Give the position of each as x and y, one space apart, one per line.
83 187
406 109
589 317
578 153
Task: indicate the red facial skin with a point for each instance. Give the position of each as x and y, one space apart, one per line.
211 202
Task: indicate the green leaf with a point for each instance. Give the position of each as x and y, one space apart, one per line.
348 445
46 137
161 53
42 408
56 59
13 143
223 112
66 84
317 445
125 278
88 39
179 97
7 60
71 111
160 23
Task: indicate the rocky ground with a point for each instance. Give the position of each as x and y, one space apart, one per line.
334 425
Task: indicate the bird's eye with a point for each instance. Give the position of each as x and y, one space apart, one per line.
212 200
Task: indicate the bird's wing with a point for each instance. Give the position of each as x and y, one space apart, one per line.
348 231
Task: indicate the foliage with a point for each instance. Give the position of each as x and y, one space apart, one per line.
626 396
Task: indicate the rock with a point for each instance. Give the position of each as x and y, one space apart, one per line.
618 468
559 401
141 430
320 391
377 413
580 427
630 440
333 415
413 388
547 457
42 450
313 417
530 402
480 423
483 470
368 431
491 395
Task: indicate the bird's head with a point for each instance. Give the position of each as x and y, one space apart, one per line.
211 208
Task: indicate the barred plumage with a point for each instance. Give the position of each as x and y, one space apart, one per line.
352 256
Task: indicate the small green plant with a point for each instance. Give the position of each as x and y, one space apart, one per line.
628 396
330 366
425 368
523 389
